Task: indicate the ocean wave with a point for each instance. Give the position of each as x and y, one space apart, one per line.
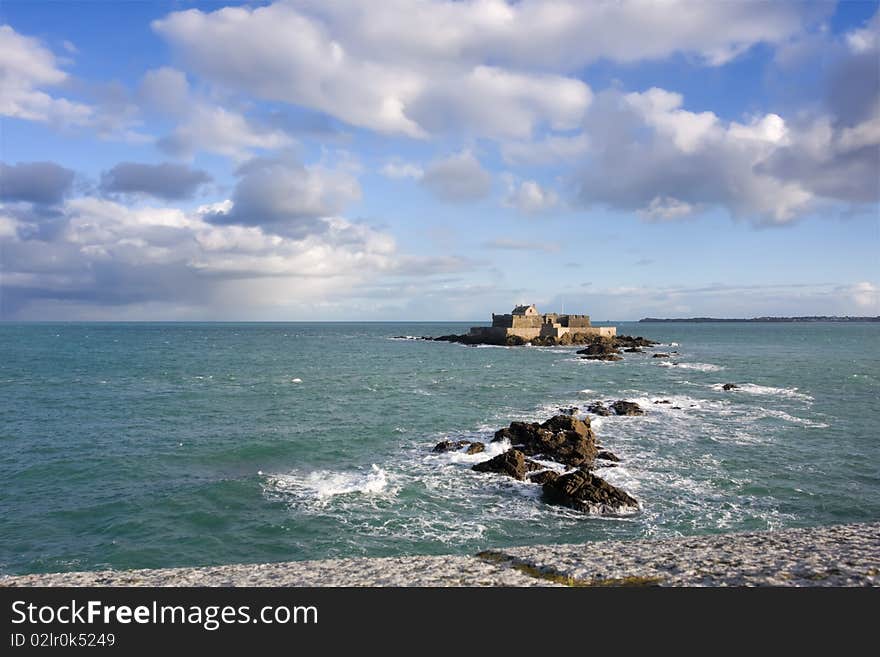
786 417
699 367
755 389
321 485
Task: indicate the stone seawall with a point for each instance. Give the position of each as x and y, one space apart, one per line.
837 555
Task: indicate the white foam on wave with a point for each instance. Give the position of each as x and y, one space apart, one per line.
786 417
491 451
296 380
321 485
699 367
755 389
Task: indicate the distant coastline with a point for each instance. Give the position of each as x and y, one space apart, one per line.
810 318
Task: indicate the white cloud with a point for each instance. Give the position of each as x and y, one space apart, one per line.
864 294
529 197
554 149
203 125
653 156
666 208
397 169
110 254
215 129
26 66
459 177
865 39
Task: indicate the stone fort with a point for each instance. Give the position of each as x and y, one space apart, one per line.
527 323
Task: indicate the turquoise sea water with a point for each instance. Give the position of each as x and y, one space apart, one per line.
154 445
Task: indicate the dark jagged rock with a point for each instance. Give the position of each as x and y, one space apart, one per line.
512 463
598 408
584 491
659 355
476 448
572 410
599 347
450 445
603 344
633 350
563 438
630 341
627 408
543 477
729 386
605 455
676 408
662 401
602 357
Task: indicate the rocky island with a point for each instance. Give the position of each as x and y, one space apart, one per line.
524 325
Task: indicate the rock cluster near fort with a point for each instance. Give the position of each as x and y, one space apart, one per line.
568 441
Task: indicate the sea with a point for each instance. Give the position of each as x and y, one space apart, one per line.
148 445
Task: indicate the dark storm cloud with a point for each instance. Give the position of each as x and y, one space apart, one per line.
42 183
166 181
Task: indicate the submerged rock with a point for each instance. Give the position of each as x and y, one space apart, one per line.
627 408
659 355
602 357
584 491
662 401
598 408
512 463
729 386
633 350
563 438
450 446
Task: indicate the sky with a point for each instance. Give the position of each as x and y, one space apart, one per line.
437 160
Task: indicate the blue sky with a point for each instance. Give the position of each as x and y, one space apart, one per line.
438 160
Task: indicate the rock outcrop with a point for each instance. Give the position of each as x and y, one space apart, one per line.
729 386
584 491
455 445
627 408
598 408
563 438
450 446
512 463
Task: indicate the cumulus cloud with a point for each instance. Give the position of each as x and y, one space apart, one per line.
397 169
354 62
201 124
553 149
371 84
282 195
107 254
836 154
165 181
666 208
42 183
26 67
649 154
865 295
529 197
457 178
